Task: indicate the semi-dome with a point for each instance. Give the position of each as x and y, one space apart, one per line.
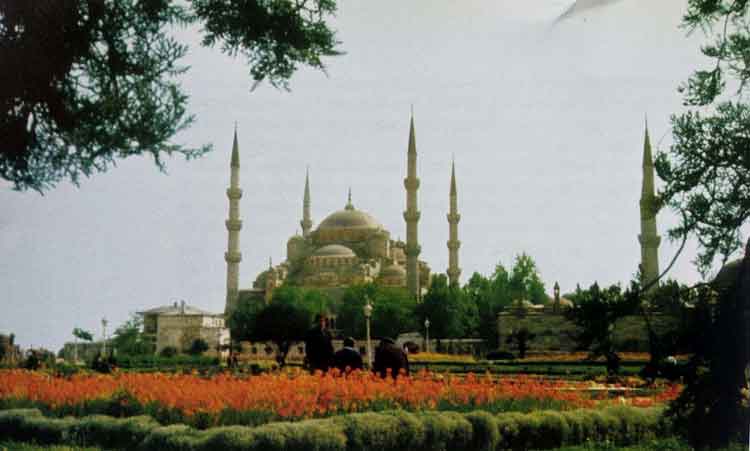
393 271
349 219
334 250
296 239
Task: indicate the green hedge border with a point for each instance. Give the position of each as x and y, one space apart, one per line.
385 431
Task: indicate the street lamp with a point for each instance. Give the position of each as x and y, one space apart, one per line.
427 334
104 336
368 314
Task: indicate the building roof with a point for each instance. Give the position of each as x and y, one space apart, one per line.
334 250
349 219
393 271
177 309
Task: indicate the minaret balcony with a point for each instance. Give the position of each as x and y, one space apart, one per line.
411 183
413 250
234 193
233 257
649 240
412 216
454 273
234 225
454 245
454 217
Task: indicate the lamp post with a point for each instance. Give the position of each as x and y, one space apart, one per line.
427 334
368 314
104 336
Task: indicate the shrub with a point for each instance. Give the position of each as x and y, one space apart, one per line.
177 437
388 431
551 431
109 432
169 351
229 438
508 426
372 431
198 347
12 422
485 434
445 431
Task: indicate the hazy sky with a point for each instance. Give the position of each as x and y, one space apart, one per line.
545 122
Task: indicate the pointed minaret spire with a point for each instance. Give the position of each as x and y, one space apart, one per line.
234 225
411 216
649 238
306 222
454 272
349 205
235 150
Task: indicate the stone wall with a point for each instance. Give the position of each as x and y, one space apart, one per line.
553 332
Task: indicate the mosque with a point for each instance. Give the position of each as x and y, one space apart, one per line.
348 247
351 247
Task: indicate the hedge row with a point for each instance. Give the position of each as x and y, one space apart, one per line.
387 431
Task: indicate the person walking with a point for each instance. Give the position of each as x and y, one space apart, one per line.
348 359
390 357
318 346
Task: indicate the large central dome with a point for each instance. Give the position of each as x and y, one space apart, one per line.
349 218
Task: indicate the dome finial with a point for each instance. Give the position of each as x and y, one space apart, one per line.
349 205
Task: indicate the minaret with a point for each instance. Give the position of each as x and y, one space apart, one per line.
306 222
411 216
454 272
648 238
234 224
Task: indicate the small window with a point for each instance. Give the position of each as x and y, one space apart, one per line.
254 350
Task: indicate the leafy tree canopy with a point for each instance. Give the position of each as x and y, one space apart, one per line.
83 334
393 311
87 82
283 323
129 340
707 169
596 313
449 309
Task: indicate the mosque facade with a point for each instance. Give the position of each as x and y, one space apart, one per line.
348 247
351 247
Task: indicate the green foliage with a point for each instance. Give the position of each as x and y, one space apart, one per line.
168 352
451 313
83 334
492 295
86 82
707 168
283 322
596 314
525 282
275 36
393 311
712 411
129 340
386 431
198 347
241 320
521 337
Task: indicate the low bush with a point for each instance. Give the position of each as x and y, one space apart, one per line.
386 431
